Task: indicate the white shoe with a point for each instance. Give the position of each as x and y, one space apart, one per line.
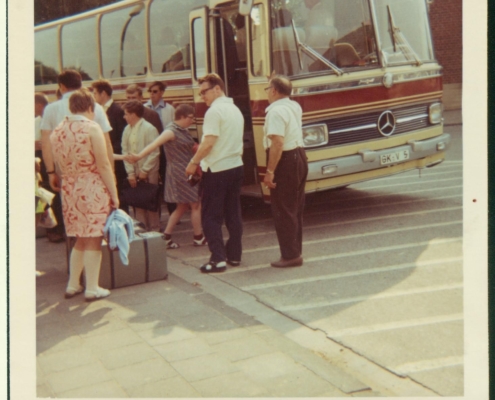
70 292
99 294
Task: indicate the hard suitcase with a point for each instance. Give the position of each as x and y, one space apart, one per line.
147 261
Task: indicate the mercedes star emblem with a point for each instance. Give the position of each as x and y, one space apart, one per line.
386 123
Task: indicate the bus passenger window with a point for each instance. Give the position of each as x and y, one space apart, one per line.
169 34
123 43
79 50
259 41
46 65
199 43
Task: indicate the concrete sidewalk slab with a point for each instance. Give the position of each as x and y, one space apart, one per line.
168 338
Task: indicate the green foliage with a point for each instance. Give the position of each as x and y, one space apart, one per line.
49 10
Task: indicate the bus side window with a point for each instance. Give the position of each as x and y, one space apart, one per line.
259 41
169 34
123 43
79 49
199 43
46 65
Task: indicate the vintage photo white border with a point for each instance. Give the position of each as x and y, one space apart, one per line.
21 238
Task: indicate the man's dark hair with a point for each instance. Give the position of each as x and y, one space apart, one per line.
71 79
102 85
183 110
161 85
134 107
281 84
213 80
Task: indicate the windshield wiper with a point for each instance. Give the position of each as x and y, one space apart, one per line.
312 53
400 42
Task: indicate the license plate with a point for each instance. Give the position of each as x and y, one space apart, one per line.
391 158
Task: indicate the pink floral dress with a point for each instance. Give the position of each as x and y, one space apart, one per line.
85 198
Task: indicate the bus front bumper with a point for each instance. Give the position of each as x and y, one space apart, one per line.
372 160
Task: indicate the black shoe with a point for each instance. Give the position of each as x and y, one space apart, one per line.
283 263
213 267
233 263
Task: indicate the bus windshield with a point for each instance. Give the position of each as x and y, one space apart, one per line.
403 31
332 36
312 36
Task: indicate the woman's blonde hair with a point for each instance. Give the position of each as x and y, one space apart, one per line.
81 101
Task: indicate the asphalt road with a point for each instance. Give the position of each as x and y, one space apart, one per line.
382 270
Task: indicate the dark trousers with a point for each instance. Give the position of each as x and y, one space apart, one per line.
287 201
220 201
121 177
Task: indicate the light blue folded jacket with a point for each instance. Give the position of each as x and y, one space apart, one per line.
119 231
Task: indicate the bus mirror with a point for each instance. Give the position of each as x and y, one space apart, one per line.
245 7
136 10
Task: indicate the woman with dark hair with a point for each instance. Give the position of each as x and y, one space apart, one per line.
178 144
88 191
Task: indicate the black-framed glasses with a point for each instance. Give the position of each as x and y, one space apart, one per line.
268 88
203 92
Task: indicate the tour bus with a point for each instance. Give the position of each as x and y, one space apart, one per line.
364 72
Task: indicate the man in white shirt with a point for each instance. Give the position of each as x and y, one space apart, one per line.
287 169
220 157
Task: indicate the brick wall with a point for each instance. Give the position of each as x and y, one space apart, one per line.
446 26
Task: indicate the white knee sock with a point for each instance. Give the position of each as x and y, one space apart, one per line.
92 263
76 267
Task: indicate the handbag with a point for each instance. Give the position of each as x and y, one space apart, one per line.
145 195
47 219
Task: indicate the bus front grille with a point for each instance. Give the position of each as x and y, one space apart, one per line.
364 127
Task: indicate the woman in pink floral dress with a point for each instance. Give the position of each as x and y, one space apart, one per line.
88 191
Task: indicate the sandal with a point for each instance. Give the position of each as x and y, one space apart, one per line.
170 243
70 292
99 294
200 242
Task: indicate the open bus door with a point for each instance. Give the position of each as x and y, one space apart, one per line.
220 30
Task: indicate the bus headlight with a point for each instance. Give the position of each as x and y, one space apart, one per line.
435 113
315 135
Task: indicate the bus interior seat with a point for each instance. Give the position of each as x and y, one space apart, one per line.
321 37
346 55
285 58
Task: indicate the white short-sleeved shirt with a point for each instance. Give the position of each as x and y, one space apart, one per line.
55 112
284 118
224 120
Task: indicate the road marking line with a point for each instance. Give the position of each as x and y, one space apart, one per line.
378 270
388 194
360 235
382 295
390 326
416 175
352 253
353 221
410 183
426 365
